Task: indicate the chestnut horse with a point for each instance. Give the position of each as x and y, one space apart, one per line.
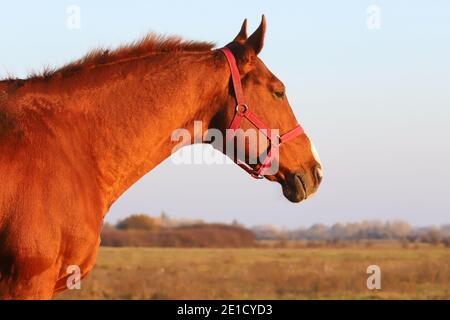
73 140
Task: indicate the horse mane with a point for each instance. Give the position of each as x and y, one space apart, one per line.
150 44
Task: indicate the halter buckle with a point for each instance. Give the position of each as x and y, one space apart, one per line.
241 109
256 175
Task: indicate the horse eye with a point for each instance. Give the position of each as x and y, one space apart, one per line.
279 95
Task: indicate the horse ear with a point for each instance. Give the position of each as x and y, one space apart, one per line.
256 40
242 35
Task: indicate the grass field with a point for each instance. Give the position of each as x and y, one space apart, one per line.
420 272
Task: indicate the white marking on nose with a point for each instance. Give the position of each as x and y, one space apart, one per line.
319 172
315 153
317 158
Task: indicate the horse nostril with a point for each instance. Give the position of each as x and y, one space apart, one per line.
318 174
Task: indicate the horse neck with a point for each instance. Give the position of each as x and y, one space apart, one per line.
135 113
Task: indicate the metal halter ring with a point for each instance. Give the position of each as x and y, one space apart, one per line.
278 139
241 109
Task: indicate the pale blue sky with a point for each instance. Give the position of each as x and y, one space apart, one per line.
375 103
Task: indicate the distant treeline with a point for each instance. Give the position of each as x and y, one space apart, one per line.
144 231
141 230
366 230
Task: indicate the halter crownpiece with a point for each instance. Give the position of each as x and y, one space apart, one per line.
243 111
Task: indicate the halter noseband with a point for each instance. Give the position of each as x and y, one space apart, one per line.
243 111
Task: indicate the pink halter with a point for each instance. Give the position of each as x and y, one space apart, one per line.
243 111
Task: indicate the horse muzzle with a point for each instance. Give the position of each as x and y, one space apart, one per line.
300 185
